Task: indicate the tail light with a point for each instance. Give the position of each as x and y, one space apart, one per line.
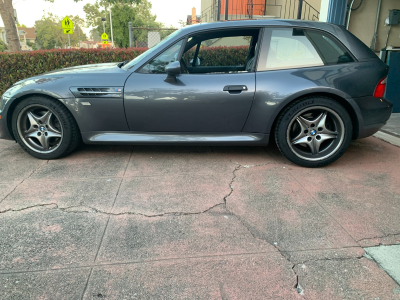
380 88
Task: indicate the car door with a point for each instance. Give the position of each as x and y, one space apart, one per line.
214 95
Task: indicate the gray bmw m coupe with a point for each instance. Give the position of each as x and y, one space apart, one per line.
310 86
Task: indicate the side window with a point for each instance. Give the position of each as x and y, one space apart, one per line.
224 51
331 51
158 64
289 48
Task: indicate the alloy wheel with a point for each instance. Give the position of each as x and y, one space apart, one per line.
315 133
40 128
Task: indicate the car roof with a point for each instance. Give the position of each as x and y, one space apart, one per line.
257 23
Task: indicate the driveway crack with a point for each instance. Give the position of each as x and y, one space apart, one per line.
231 182
297 286
379 237
22 181
89 209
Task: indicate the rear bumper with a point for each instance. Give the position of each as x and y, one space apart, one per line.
374 114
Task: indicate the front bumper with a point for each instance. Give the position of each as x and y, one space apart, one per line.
374 114
4 132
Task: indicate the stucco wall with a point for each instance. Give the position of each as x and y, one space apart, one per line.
284 9
362 23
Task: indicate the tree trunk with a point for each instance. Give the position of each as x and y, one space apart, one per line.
7 15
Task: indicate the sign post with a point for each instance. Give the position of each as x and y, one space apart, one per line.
130 33
68 28
104 38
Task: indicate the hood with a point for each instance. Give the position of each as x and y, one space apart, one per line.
57 83
94 68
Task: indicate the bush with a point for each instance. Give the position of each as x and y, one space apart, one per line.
3 46
219 56
21 65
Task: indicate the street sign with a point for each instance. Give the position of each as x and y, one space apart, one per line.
105 42
104 36
66 23
68 31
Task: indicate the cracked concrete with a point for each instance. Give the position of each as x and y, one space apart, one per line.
197 222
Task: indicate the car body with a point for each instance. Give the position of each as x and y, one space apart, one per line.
129 104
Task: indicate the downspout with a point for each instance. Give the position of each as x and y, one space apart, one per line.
348 14
373 42
219 11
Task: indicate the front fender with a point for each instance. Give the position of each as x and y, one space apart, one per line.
51 87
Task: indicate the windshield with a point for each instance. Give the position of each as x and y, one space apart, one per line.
151 50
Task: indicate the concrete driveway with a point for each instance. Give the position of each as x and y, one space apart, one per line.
197 223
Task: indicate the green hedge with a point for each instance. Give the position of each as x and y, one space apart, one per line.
21 65
219 56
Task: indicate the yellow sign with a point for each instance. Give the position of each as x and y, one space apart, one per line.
66 23
105 42
68 31
104 36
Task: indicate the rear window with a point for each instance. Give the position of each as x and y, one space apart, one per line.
297 48
330 50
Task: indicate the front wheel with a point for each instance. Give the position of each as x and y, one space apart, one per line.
44 128
314 131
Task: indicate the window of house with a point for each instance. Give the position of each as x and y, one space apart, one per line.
159 63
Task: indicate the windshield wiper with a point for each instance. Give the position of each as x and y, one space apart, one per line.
121 64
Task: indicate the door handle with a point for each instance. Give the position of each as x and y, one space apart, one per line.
235 88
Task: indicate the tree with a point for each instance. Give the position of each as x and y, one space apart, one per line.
139 13
109 1
7 15
33 45
94 35
3 46
182 23
50 35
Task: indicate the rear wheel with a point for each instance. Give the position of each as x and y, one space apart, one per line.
314 132
44 128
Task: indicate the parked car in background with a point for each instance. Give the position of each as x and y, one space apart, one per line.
311 86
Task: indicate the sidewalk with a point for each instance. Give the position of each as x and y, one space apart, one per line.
391 131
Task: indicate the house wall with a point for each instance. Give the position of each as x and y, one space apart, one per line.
230 42
284 9
238 7
362 23
205 4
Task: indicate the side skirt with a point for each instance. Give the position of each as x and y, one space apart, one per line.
174 138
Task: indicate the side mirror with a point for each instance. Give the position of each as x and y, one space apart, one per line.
198 62
173 69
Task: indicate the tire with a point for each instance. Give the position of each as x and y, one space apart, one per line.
314 131
45 128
